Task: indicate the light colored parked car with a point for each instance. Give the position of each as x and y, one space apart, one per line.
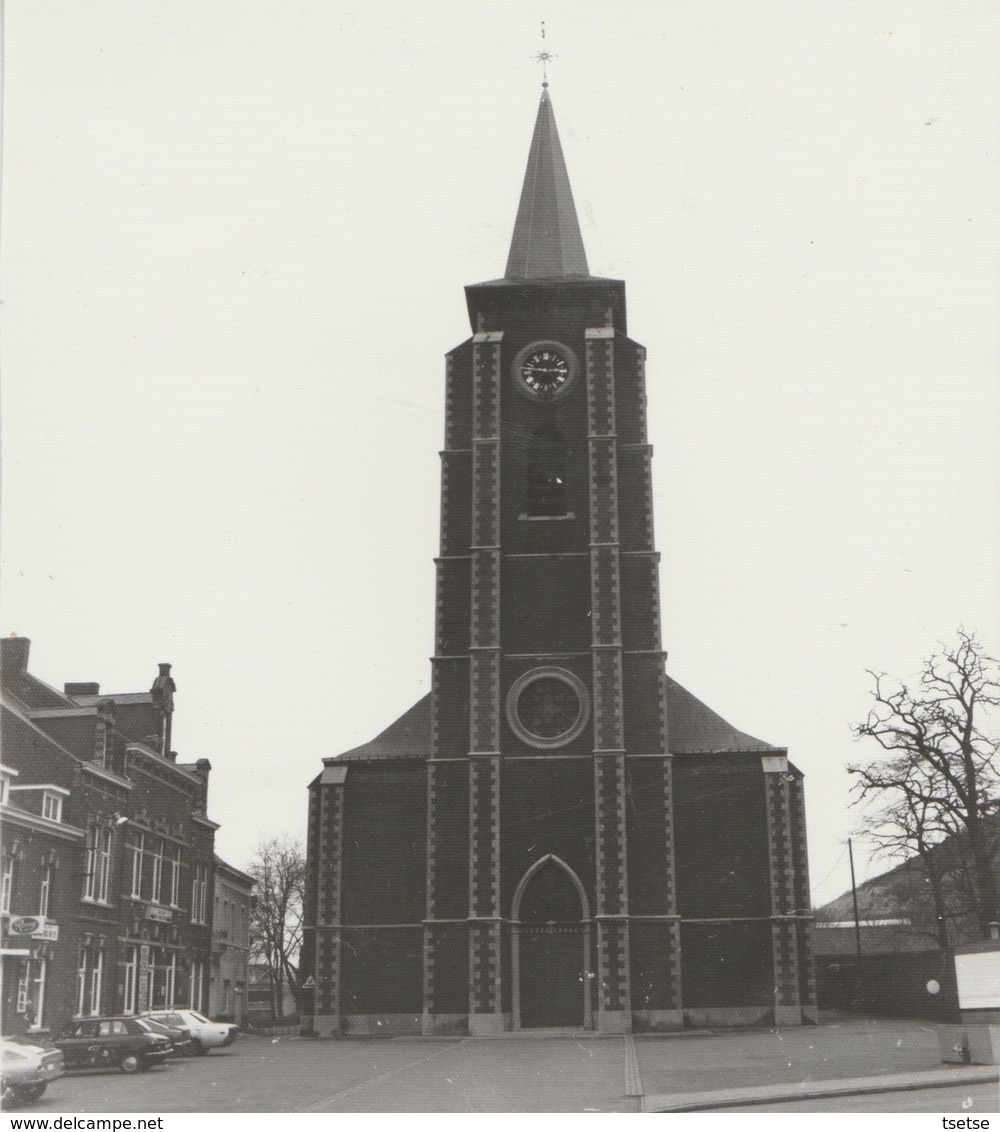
206 1035
26 1071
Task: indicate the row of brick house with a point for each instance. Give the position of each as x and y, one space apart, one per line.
111 887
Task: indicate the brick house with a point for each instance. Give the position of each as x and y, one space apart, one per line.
230 942
108 833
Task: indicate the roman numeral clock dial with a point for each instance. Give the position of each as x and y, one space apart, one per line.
545 370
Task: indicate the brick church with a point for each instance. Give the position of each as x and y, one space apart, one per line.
558 835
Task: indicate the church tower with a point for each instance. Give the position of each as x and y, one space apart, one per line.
558 836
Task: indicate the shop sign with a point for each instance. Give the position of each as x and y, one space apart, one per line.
38 927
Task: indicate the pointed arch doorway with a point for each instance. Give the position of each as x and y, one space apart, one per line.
551 949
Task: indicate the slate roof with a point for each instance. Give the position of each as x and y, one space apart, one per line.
21 735
32 692
694 729
408 738
546 241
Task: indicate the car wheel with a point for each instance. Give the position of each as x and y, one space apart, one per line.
130 1063
31 1093
199 1049
8 1098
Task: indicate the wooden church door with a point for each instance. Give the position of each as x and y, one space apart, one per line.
551 948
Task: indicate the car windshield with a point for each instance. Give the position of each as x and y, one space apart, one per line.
10 1055
143 1025
199 1017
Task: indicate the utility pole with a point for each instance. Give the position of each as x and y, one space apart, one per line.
857 921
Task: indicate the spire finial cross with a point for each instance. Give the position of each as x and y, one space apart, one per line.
544 57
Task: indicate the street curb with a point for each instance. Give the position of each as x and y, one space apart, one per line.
816 1090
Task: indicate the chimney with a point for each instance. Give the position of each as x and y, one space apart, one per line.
82 689
202 768
103 727
14 656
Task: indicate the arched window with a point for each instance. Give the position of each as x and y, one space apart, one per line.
545 476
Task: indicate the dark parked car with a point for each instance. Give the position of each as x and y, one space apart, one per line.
121 1041
206 1035
180 1038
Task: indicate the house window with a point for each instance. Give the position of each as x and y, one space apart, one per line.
157 870
175 875
199 894
31 992
89 976
131 980
98 879
170 980
46 889
23 983
138 848
545 494
197 984
162 978
6 882
52 806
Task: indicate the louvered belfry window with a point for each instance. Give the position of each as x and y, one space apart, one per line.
545 481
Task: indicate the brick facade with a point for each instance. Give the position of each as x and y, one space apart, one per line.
108 831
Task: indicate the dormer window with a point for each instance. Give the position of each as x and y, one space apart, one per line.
43 798
7 775
52 806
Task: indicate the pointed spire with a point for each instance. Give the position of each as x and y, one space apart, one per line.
546 243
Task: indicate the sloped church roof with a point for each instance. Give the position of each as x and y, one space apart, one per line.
693 729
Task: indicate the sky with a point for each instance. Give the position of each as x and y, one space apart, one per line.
234 240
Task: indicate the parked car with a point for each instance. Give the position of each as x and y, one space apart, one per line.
122 1041
206 1035
180 1037
26 1070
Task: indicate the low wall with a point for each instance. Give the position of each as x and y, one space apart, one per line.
895 985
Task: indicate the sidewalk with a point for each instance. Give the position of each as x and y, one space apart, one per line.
764 1095
843 1056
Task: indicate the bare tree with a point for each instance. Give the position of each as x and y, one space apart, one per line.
276 921
936 793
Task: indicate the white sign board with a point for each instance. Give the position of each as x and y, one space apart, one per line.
978 980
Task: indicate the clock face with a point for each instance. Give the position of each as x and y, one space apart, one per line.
545 371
